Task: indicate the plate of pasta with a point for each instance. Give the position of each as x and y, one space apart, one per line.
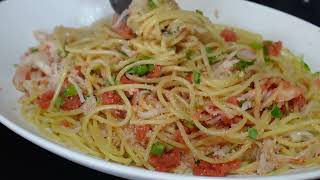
165 89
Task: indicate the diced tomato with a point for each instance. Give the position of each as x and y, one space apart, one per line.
45 99
155 73
189 78
274 48
299 101
179 138
66 124
71 103
141 132
166 161
233 100
229 35
125 80
122 29
206 169
317 81
119 114
110 97
229 121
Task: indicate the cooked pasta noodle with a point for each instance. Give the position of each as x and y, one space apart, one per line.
167 90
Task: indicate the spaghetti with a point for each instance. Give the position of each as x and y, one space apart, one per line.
165 89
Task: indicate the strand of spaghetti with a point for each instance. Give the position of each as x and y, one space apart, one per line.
243 113
63 113
218 132
257 100
144 80
264 121
285 128
151 141
154 122
129 149
59 86
128 67
98 142
200 155
92 65
205 59
175 68
171 142
105 150
95 52
125 86
246 169
245 85
228 111
215 83
294 144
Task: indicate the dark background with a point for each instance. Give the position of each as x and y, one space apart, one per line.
19 157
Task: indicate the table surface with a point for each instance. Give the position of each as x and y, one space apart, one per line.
31 161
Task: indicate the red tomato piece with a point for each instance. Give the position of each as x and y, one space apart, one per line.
229 35
233 100
228 122
125 80
110 97
189 77
45 99
141 132
71 103
122 29
206 169
179 138
155 73
66 124
317 81
274 48
119 114
299 101
166 161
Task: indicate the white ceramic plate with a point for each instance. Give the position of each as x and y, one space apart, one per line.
20 18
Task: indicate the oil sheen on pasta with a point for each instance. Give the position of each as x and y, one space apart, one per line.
165 89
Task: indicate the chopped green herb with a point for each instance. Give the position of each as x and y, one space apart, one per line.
212 59
33 50
253 133
58 102
209 50
70 91
141 70
15 65
151 4
242 64
196 77
256 45
267 59
276 112
157 149
304 65
199 12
